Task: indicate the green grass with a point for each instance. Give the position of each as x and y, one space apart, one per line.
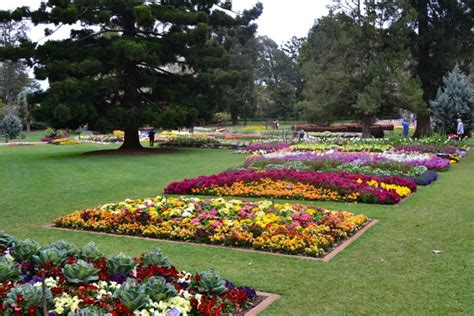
389 270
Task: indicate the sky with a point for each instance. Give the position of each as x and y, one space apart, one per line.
280 19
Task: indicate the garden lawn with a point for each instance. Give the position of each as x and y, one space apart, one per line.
390 270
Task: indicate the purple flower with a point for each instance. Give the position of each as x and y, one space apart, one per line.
173 312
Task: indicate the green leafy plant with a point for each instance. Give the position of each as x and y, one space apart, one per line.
80 272
6 240
25 249
32 295
8 270
50 255
132 295
210 282
156 256
68 247
120 264
90 252
158 289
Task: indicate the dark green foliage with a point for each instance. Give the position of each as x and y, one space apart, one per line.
441 37
455 99
278 78
355 67
129 64
237 83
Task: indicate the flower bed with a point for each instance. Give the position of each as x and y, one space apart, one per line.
263 147
64 141
346 146
426 148
429 161
296 184
283 228
82 281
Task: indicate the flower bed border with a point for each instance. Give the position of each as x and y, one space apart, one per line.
268 299
326 258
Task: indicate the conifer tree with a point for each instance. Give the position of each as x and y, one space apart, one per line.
455 99
118 69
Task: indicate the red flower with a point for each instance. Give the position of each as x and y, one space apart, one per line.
32 310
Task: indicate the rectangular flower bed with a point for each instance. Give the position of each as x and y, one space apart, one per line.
296 184
281 228
62 279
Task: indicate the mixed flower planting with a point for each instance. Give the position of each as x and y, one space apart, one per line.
333 169
263 225
298 185
62 279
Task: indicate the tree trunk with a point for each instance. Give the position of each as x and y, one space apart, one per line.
366 122
234 118
428 83
131 139
423 126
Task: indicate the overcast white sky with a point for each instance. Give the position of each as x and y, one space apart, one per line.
280 19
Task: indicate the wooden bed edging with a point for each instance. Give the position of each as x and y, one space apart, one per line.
269 298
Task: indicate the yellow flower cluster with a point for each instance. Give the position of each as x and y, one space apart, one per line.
402 191
282 189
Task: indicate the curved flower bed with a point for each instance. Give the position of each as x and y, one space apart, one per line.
346 146
429 161
427 148
284 228
263 147
82 281
296 184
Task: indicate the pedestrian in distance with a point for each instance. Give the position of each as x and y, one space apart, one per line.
405 128
460 129
151 137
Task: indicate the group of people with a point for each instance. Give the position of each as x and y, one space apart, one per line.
459 128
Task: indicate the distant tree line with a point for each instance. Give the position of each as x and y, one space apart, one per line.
176 63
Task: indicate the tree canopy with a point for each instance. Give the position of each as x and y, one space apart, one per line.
129 63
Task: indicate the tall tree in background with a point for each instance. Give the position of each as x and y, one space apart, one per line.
113 71
278 76
354 63
237 82
442 36
13 74
327 60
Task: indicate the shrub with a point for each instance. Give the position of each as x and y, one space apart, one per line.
221 117
11 126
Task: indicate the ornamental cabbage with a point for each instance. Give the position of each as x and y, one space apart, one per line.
25 249
80 272
120 264
8 270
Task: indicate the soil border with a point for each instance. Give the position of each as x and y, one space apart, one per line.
326 258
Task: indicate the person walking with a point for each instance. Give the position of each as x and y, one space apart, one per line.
151 137
405 128
460 129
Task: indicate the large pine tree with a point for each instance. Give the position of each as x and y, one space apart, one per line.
129 63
